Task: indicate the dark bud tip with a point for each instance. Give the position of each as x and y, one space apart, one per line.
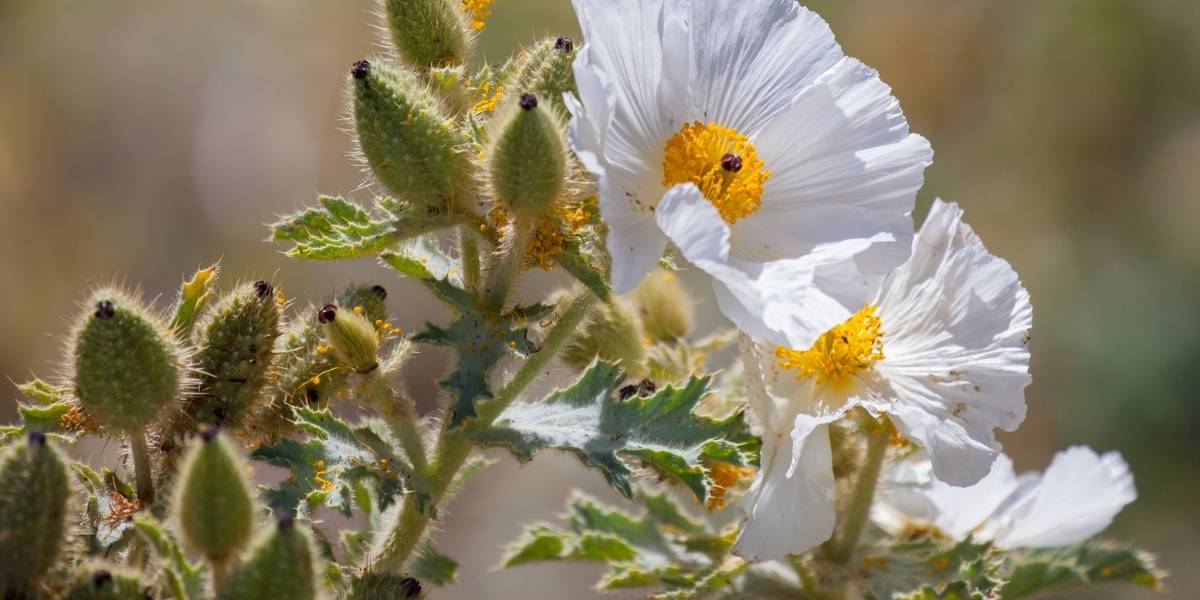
36 438
379 291
285 520
208 432
263 289
101 578
731 162
312 394
104 309
565 44
410 588
360 69
528 101
327 313
627 392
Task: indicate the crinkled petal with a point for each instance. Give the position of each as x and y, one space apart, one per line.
956 322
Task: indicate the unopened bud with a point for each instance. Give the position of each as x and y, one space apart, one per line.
664 307
352 336
281 565
610 334
34 490
214 502
545 70
108 582
428 33
528 162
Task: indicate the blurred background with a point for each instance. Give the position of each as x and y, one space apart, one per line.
140 140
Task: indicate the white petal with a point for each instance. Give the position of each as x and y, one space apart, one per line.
790 507
956 322
1077 497
750 59
962 510
843 166
634 242
788 302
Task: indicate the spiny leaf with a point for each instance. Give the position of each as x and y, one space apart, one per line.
606 432
420 257
580 263
341 229
963 570
194 294
1030 572
480 339
428 565
187 581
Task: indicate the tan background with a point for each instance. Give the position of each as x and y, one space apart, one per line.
142 139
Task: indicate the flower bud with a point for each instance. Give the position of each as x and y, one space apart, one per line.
105 582
428 33
610 334
352 336
34 490
528 162
281 565
412 148
545 70
372 299
127 364
214 502
236 341
664 307
384 586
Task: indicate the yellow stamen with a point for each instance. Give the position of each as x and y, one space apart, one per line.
721 162
489 95
840 352
478 11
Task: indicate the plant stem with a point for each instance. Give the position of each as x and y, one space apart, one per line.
220 570
878 433
504 266
143 473
469 244
401 415
454 447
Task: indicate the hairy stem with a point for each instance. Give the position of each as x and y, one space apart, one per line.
453 447
878 432
220 570
142 470
401 416
504 266
469 244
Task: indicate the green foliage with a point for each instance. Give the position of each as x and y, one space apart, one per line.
51 409
338 228
428 565
659 431
110 501
926 569
545 70
126 362
427 33
281 565
213 503
108 582
528 161
420 257
481 339
194 295
1031 572
33 513
326 467
185 580
610 334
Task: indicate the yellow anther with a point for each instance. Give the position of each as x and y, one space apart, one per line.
478 11
840 352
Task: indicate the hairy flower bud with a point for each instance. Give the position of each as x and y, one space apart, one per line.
413 149
281 565
664 307
214 502
34 490
428 33
127 363
610 334
545 70
352 336
528 162
108 582
384 586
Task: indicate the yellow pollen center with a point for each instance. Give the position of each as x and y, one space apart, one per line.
840 352
478 11
721 162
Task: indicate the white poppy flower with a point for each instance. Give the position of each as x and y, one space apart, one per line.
740 132
1076 498
940 348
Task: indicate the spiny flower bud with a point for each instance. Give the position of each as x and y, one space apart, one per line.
412 148
428 33
214 502
383 586
611 334
545 70
107 582
352 336
236 341
281 565
372 299
664 307
34 490
127 364
528 162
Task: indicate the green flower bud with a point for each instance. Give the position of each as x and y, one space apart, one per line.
611 334
372 299
352 337
108 583
127 364
428 33
382 586
214 502
281 565
664 307
545 70
528 161
34 490
413 149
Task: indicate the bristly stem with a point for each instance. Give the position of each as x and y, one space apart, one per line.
469 244
142 470
505 265
453 446
878 432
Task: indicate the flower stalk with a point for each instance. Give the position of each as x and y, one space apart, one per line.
877 432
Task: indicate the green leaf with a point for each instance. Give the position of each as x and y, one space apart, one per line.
581 265
341 229
926 569
1030 572
659 431
326 466
428 565
420 257
49 404
194 295
480 340
187 581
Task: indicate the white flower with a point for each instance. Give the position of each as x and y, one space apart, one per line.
741 133
940 348
1076 498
